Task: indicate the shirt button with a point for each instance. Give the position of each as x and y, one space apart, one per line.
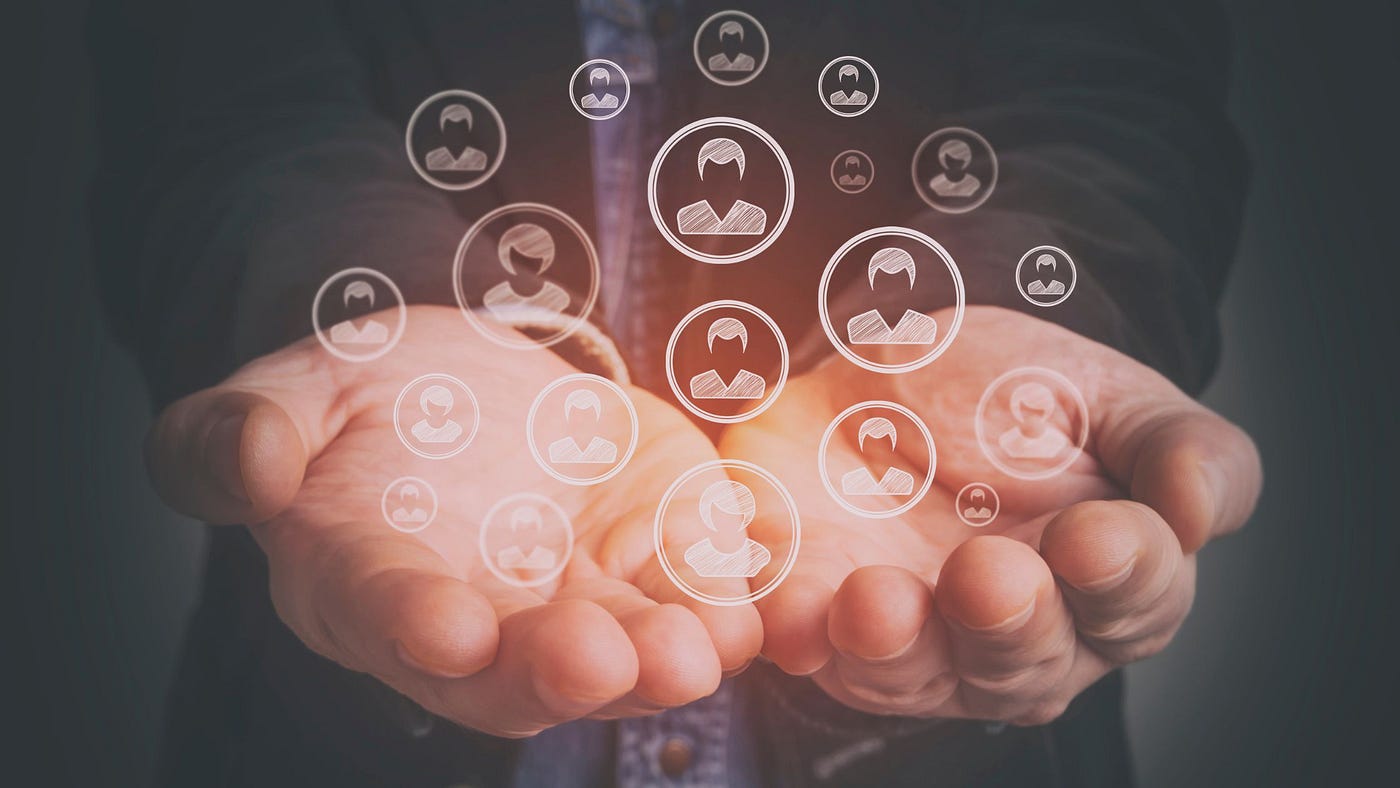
676 755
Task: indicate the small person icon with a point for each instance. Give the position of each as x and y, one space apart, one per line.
372 332
977 508
1033 437
731 34
894 481
436 402
954 156
852 177
566 450
727 508
540 558
700 218
1043 286
441 159
849 96
870 328
408 512
746 385
532 243
599 97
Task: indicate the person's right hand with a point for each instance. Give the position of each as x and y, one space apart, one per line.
301 446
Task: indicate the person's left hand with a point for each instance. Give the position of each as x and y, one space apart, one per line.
922 615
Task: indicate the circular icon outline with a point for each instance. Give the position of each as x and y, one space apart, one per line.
626 85
535 450
491 515
868 181
1080 442
471 434
320 332
959 308
594 269
384 504
665 561
490 169
919 188
874 94
996 501
768 239
782 370
1073 275
695 48
916 497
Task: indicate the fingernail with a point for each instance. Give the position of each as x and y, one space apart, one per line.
1008 625
1111 582
419 665
1219 485
223 450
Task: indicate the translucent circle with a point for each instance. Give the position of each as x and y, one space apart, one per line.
659 542
490 522
941 203
939 347
381 348
700 62
826 100
408 524
599 63
612 468
1064 257
840 163
918 495
773 391
491 168
1069 453
426 447
960 505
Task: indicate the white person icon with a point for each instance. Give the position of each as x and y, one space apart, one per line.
529 243
372 332
731 30
579 404
600 97
877 459
894 481
441 158
727 508
870 328
699 217
745 385
730 341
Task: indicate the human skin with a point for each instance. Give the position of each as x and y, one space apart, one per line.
922 615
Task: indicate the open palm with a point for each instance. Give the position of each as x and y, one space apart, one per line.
921 614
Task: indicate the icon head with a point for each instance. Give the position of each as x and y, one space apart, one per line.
731 28
877 428
848 71
359 288
852 162
1045 260
583 400
727 328
455 113
977 495
436 400
527 240
891 260
407 491
720 150
727 506
954 155
1032 405
599 74
526 517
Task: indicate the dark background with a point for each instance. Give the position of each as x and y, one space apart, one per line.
1285 673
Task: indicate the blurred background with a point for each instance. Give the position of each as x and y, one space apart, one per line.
1285 674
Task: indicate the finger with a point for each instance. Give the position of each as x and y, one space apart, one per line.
236 453
1123 575
1012 636
735 631
795 614
890 644
1197 470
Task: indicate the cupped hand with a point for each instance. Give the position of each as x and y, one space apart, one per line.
1093 568
301 446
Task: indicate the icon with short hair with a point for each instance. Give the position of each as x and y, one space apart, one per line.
870 328
699 218
599 450
745 385
441 158
1045 286
435 427
598 97
955 181
526 521
727 508
409 504
1034 437
861 482
372 332
851 177
849 95
444 420
731 33
525 242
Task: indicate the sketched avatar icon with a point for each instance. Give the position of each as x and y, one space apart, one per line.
848 86
441 159
726 508
1042 273
355 333
742 218
977 504
913 328
1032 423
595 88
534 243
731 48
954 169
709 384
539 558
409 504
455 139
526 540
1034 436
852 171
861 482
582 429
444 420
566 449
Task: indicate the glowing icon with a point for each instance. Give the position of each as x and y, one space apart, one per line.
347 301
902 270
436 416
455 140
1046 276
409 504
977 504
1032 423
582 429
731 48
848 86
887 437
595 87
742 179
526 540
760 344
852 171
707 533
513 248
954 170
